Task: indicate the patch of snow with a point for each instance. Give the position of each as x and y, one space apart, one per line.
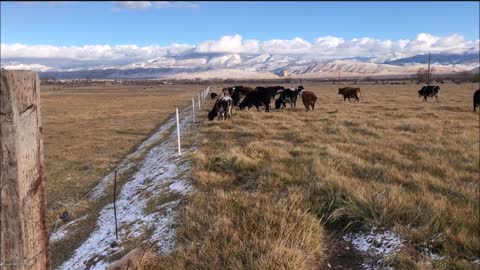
58 235
180 187
62 232
127 163
157 174
383 243
375 243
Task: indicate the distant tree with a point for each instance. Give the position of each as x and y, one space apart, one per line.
465 76
422 75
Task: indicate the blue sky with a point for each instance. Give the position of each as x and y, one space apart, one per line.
81 23
47 35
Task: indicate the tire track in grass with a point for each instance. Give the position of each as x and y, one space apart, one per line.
160 172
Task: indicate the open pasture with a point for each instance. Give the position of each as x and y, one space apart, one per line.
88 130
280 189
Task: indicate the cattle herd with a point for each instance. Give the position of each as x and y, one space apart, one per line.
262 96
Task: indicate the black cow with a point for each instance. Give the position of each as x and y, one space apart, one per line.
213 95
476 99
429 91
221 108
271 91
288 96
237 92
261 96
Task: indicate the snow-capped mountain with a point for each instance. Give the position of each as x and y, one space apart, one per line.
252 66
471 58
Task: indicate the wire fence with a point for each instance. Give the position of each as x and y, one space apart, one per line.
202 97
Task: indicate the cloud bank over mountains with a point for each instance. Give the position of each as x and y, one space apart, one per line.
322 47
232 56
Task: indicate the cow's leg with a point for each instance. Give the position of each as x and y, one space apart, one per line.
436 98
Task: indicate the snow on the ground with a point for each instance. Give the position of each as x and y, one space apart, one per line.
375 243
127 163
62 232
158 174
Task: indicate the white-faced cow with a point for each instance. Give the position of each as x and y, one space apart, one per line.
222 108
288 96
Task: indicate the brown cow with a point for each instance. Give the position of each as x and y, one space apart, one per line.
309 98
350 92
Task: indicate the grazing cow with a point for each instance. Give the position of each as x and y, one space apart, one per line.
221 108
213 95
255 98
241 89
271 91
287 96
237 92
429 91
261 96
309 98
476 100
350 92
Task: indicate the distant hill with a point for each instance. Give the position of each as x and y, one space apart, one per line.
441 59
208 66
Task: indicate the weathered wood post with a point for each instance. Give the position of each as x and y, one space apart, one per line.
23 228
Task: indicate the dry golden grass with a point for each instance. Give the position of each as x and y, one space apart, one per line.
88 130
268 183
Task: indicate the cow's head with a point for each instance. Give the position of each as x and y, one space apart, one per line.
278 103
212 114
242 105
421 91
340 91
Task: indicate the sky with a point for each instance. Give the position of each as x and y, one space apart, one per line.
151 29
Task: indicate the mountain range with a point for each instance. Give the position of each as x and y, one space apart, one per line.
241 66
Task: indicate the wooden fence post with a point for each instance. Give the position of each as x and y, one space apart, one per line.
23 228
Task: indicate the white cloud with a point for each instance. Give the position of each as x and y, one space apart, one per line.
322 47
292 46
228 44
34 67
133 4
154 4
87 52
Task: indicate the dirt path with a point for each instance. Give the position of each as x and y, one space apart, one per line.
161 176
